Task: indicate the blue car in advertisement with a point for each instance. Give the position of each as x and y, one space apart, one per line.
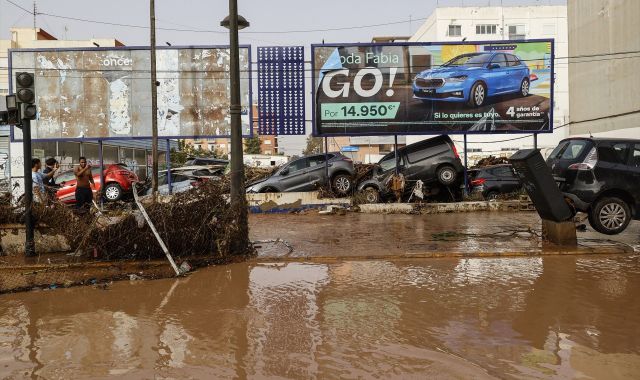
472 78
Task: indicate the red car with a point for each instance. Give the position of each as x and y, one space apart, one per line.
118 178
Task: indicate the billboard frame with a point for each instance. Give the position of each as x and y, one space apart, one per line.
314 107
137 47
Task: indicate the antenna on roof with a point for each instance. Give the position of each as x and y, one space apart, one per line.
590 135
35 7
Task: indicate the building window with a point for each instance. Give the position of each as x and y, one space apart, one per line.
267 142
516 32
508 149
474 150
267 152
486 29
455 31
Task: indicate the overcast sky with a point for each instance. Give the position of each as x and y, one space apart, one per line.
273 22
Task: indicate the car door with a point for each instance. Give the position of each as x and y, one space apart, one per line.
634 168
508 181
293 177
67 182
420 160
317 172
497 78
612 167
516 72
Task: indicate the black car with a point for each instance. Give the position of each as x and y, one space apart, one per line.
309 173
600 176
434 161
494 180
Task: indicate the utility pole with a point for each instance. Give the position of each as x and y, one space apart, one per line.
154 102
30 246
241 242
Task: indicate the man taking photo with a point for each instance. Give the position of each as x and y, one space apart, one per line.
84 183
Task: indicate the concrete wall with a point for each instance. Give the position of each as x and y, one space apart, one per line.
606 83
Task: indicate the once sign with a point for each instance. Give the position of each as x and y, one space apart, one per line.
102 94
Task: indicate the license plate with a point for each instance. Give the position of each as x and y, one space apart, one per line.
429 91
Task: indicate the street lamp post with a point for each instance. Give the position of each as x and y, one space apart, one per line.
233 22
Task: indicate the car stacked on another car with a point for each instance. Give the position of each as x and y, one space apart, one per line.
118 181
491 181
309 173
474 77
600 176
186 177
434 161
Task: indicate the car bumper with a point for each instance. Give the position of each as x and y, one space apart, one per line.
452 92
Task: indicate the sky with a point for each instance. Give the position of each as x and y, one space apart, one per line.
273 22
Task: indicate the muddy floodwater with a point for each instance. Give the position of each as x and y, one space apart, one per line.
561 317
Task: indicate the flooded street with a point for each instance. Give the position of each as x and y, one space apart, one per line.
522 317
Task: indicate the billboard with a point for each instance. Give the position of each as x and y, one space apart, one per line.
281 90
433 88
105 93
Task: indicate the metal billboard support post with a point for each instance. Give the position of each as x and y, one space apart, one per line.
154 101
326 160
395 152
101 159
168 160
535 141
29 245
466 180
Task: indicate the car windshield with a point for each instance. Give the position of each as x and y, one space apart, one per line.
473 60
388 163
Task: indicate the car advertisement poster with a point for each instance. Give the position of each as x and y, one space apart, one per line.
433 88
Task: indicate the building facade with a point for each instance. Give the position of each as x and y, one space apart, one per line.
506 23
605 50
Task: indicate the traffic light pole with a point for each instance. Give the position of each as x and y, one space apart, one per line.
29 246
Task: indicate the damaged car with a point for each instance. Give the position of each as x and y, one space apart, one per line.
434 162
309 173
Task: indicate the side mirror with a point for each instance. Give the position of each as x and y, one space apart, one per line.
284 171
494 66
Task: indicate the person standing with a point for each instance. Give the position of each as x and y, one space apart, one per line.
52 167
84 183
39 192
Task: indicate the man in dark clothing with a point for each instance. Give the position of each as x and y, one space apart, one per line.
84 183
50 171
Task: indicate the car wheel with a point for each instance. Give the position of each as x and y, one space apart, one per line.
477 95
371 195
341 183
492 195
524 87
446 175
610 215
113 192
268 190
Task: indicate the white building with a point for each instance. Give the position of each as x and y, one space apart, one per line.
604 80
506 23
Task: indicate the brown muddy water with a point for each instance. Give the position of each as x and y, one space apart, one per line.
551 317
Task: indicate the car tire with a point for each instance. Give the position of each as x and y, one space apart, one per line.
342 184
610 215
112 192
525 87
477 95
446 175
371 194
492 195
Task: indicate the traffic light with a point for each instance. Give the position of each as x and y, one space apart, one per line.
26 96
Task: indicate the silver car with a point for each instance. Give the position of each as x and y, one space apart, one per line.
309 173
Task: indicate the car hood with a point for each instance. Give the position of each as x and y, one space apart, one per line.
446 72
258 181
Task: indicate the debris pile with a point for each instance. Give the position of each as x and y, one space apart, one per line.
196 222
491 160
